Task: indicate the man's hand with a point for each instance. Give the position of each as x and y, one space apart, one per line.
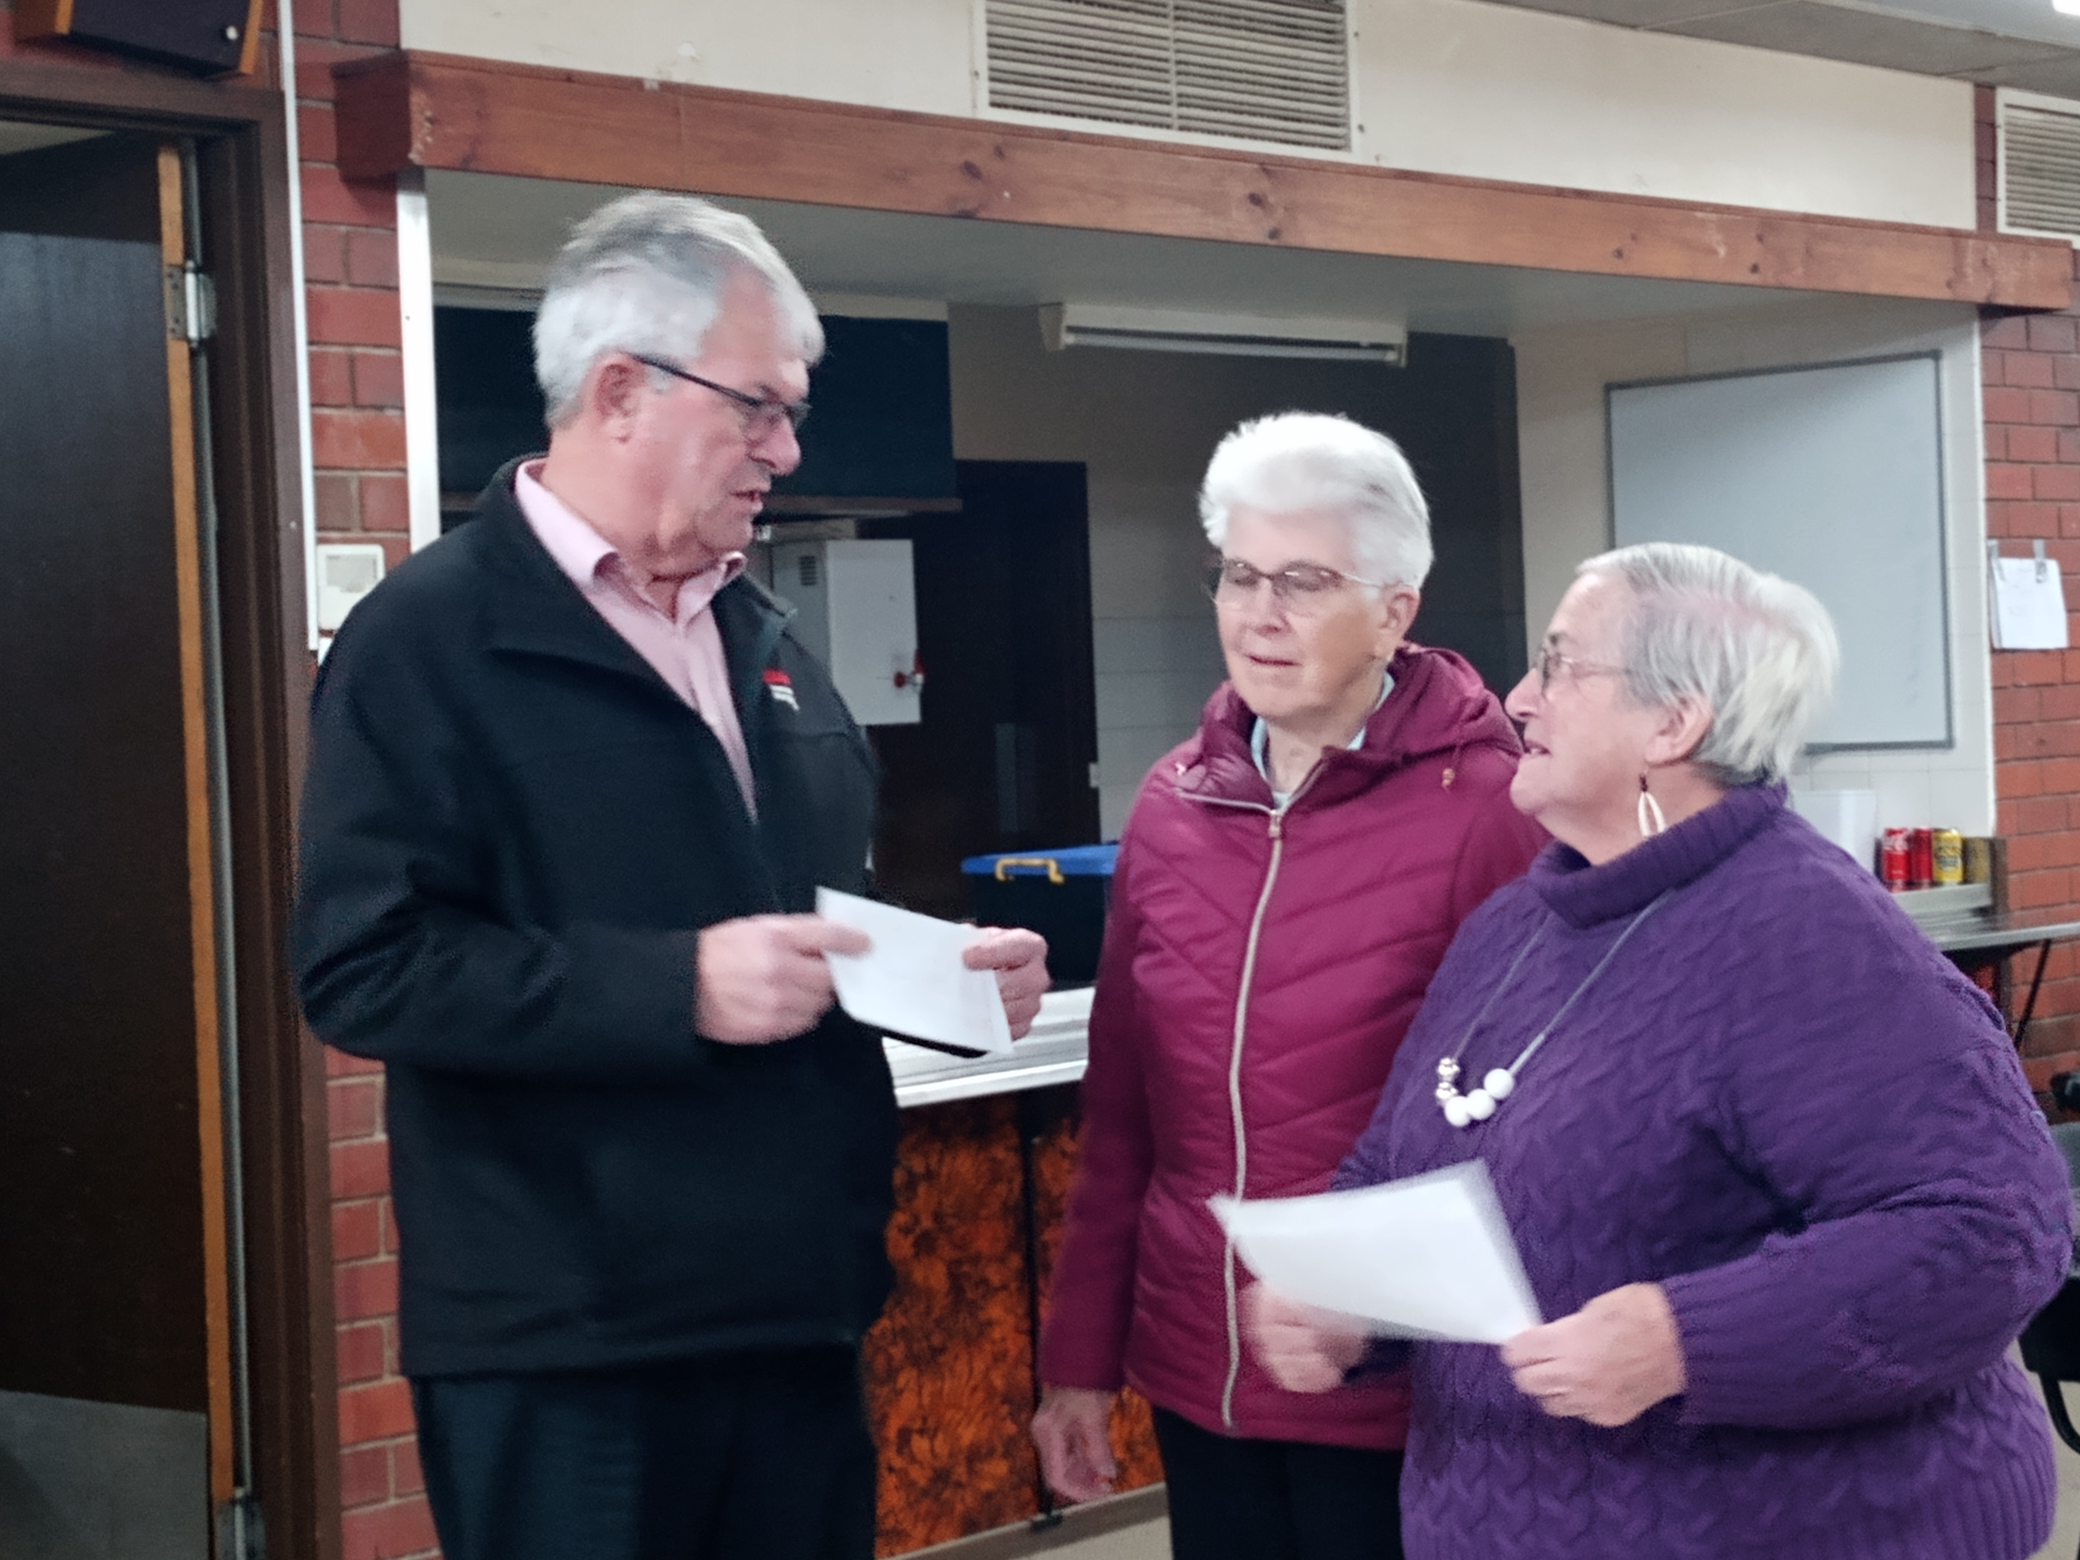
1072 1431
1608 1363
1020 960
1295 1343
763 978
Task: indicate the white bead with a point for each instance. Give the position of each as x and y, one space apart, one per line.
1458 1112
1499 1082
1480 1105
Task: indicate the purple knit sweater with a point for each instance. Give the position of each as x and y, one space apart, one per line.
1782 1104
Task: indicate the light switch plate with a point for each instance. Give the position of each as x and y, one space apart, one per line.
347 571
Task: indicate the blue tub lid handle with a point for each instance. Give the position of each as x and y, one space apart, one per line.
1006 863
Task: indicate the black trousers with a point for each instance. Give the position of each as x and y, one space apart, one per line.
762 1457
1234 1499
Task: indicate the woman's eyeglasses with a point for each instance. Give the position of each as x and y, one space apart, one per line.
1550 663
1301 589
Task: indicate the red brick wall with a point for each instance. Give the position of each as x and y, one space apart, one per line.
2031 376
357 446
358 454
350 265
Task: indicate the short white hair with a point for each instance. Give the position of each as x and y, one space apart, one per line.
1759 650
645 274
1309 463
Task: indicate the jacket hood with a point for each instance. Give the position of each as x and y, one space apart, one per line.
1439 707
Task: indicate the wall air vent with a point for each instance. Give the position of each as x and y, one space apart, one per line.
1258 70
1379 340
2040 166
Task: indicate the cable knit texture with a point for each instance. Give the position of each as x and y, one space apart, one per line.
1362 882
1782 1104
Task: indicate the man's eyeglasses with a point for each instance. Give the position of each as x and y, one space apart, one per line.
1299 588
1550 663
761 414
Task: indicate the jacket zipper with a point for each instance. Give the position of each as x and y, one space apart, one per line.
1249 970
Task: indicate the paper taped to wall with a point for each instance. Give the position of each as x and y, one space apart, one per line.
2029 601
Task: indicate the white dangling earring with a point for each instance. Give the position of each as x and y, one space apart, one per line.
1652 820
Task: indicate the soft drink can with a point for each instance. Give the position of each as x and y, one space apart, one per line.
1949 857
1921 858
1894 863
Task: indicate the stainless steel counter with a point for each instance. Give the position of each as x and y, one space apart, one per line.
1053 1053
1998 934
1976 937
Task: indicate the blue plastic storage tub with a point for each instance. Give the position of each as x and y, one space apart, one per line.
1061 894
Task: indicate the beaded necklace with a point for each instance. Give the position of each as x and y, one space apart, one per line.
1463 1110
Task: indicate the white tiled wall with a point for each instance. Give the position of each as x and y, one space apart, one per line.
1154 674
1561 377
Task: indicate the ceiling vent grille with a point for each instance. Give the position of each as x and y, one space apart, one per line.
2040 169
1257 70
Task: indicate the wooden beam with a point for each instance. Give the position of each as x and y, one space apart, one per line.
419 110
95 97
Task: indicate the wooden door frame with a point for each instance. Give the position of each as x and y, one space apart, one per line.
243 160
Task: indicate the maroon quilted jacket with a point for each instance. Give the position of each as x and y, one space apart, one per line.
1260 968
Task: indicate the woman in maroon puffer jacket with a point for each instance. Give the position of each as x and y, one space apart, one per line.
1287 883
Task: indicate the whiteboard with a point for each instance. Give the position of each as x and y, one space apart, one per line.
1831 476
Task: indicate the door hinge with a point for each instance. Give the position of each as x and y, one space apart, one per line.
191 304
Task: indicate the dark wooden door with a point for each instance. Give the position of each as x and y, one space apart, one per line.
113 1283
1002 757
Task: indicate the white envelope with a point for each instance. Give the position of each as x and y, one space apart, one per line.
1428 1257
912 982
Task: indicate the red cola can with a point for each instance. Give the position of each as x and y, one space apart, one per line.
1894 858
1921 858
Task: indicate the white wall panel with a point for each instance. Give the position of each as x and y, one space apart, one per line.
912 54
1494 92
1562 454
1441 86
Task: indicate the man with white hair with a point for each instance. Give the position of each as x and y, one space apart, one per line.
572 789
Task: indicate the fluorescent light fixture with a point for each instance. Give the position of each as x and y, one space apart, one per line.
1240 335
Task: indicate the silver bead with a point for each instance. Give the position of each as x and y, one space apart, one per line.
1447 1079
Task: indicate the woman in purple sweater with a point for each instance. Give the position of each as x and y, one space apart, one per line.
1770 1160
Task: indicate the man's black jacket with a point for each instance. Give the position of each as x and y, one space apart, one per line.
512 832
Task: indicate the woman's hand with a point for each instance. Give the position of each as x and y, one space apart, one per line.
1295 1343
1608 1363
1072 1431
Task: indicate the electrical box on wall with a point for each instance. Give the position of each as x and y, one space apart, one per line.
856 606
347 571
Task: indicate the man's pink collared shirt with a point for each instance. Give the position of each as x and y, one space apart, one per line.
683 647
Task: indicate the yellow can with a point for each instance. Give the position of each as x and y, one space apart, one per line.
1949 854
